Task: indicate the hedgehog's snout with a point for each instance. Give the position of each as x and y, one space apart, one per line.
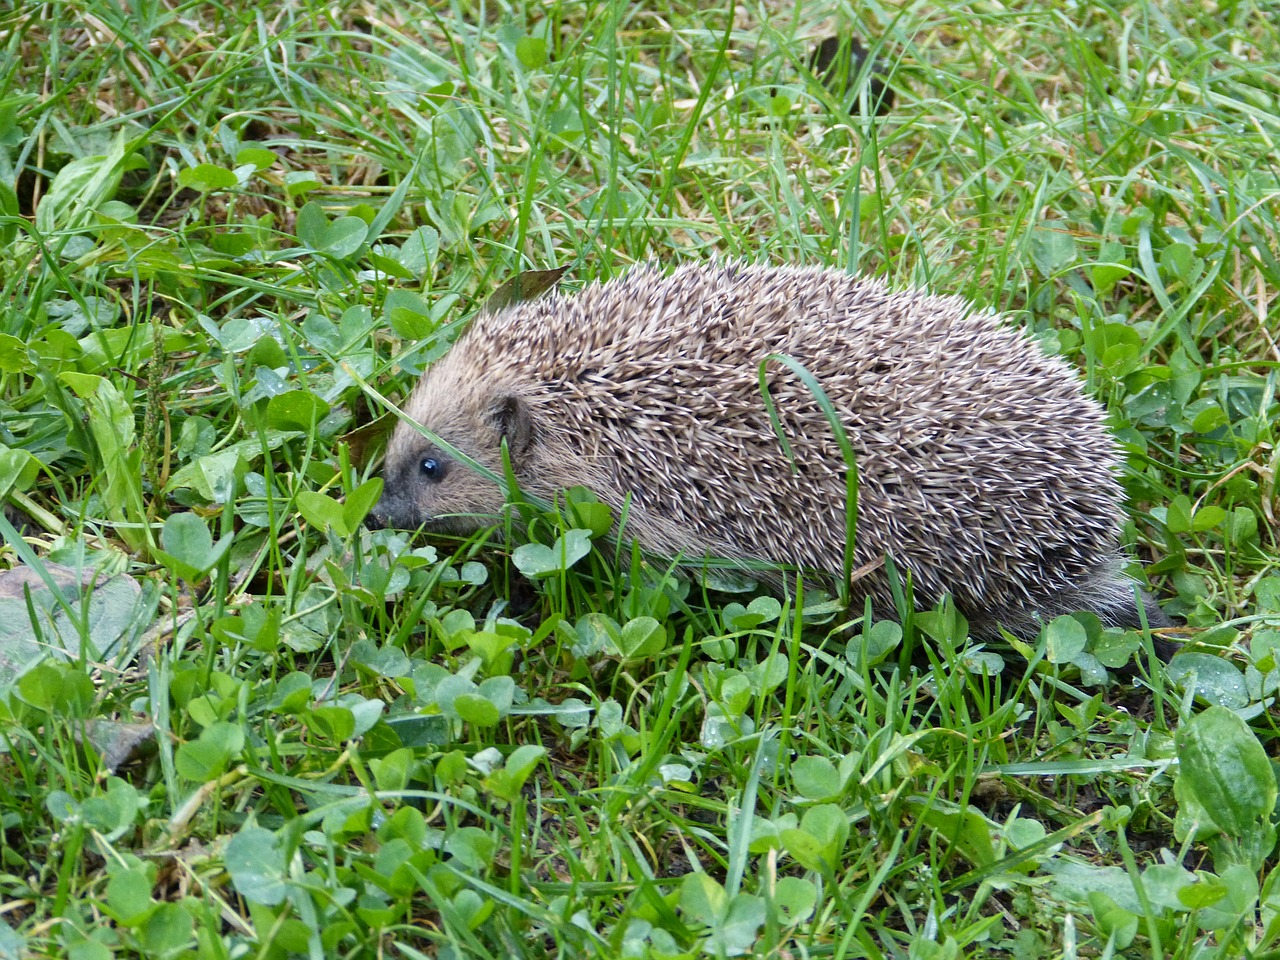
399 507
390 512
424 488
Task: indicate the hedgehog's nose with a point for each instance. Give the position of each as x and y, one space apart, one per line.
391 512
376 519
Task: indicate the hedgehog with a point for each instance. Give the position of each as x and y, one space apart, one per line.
984 470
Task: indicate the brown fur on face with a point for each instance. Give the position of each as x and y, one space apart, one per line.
985 471
425 484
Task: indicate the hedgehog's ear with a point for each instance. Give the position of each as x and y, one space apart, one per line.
511 418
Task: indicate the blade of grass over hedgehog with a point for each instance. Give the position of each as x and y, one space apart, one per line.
511 492
515 497
846 449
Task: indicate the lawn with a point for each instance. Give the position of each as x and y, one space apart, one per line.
239 723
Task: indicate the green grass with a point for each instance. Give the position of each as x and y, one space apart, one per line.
237 724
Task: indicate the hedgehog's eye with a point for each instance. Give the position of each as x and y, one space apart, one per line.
432 468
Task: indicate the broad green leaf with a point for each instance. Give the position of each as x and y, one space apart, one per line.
58 689
129 895
734 694
300 182
114 810
18 470
260 157
965 827
1052 248
1177 261
344 237
1204 893
296 410
1207 517
816 778
188 548
875 645
500 691
761 610
410 324
1166 885
473 847
1114 922
336 725
769 674
419 251
1114 344
111 423
1216 680
1104 276
702 899
167 930
1065 638
642 638
1239 886
538 561
1227 769
736 934
312 225
732 924
323 513
187 539
380 260
390 860
818 842
76 949
209 756
256 864
473 909
508 781
490 647
387 661
365 712
1206 420
1178 514
392 771
14 356
795 898
588 513
448 690
531 52
360 501
80 187
207 177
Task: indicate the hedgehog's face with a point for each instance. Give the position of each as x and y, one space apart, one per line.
426 485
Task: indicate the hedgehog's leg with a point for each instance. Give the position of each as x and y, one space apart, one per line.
1156 619
1124 613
